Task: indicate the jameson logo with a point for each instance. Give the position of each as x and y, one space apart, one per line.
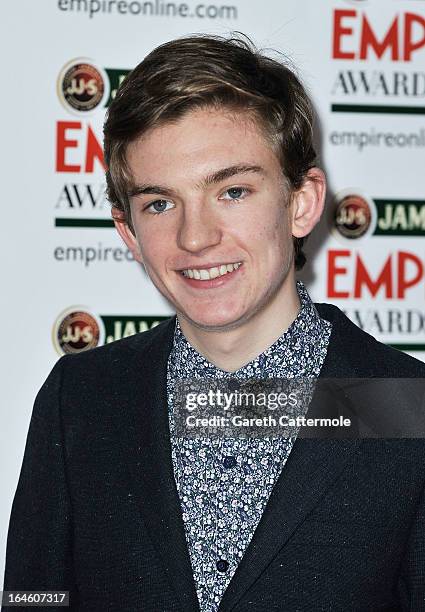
353 215
82 86
77 329
116 76
356 215
121 327
400 217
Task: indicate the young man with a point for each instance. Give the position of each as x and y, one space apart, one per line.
213 183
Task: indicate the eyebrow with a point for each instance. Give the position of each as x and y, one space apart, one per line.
210 179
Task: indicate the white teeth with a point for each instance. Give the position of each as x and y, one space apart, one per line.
214 272
210 273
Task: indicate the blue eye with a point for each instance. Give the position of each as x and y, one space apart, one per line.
236 193
159 206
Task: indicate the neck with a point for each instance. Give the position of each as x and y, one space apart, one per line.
230 349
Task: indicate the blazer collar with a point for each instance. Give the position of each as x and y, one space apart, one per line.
141 418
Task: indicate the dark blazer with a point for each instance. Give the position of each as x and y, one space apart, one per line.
96 511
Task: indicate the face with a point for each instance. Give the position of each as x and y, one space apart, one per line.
211 218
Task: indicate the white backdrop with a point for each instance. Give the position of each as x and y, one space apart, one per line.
66 270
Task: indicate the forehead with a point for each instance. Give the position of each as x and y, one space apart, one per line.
199 142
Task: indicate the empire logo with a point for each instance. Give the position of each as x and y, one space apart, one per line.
79 151
354 36
82 86
349 276
75 196
357 37
76 329
74 137
403 328
364 289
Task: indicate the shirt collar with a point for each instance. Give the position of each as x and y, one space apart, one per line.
296 352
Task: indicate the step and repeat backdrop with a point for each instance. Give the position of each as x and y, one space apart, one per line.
70 284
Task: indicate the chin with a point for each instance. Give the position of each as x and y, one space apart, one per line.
213 321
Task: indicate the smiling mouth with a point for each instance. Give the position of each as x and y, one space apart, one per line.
210 273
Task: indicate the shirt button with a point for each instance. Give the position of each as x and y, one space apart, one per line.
229 462
222 565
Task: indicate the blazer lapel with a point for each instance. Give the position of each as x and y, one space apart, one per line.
311 468
142 422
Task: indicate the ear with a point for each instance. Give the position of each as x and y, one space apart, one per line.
126 233
308 203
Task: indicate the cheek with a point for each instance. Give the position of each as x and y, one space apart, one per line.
282 234
152 248
275 235
277 251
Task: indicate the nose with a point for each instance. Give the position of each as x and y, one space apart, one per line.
199 228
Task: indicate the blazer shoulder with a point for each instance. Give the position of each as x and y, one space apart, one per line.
368 356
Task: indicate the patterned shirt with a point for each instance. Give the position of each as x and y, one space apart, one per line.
224 483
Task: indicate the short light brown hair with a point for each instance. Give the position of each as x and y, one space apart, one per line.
200 71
